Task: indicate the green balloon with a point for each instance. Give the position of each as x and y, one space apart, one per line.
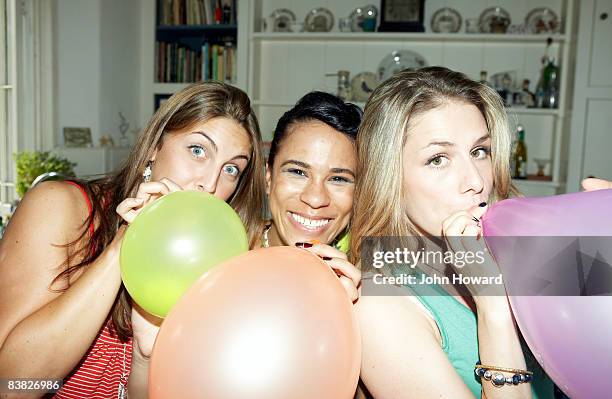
344 243
175 240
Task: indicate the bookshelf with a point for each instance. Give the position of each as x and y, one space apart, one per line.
185 41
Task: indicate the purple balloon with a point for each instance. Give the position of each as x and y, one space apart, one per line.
570 335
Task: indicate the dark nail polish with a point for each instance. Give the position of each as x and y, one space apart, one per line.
303 244
326 258
474 218
591 177
482 204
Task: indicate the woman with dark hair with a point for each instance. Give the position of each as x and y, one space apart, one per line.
310 180
65 312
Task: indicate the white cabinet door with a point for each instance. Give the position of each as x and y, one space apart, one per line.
602 47
597 159
590 150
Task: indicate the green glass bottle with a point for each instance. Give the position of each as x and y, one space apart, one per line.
518 160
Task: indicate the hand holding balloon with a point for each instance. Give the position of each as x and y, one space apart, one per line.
349 275
462 232
148 192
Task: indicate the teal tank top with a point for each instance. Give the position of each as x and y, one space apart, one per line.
459 332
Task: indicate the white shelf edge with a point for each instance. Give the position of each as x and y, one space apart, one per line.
538 183
378 36
533 111
511 110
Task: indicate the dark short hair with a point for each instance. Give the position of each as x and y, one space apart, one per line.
321 106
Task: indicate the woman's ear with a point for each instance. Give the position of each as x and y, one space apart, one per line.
268 178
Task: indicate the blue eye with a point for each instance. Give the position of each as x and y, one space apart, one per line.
231 170
197 151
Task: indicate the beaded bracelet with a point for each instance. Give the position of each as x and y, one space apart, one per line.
498 379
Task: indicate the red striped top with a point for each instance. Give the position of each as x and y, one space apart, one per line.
106 363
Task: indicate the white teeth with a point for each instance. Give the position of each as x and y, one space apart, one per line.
310 223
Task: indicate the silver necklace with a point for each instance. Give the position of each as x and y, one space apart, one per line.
122 392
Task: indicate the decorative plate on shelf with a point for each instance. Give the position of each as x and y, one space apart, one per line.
494 20
446 20
362 85
283 18
542 20
319 20
399 60
361 13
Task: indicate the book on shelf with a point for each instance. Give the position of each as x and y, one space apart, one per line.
175 63
196 12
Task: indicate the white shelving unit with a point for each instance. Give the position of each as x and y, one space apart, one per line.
281 67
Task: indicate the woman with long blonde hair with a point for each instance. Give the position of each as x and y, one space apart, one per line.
433 153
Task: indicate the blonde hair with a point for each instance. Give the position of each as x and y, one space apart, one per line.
379 194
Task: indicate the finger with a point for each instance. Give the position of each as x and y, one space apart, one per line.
126 210
592 183
478 211
350 288
454 231
146 190
472 231
345 268
451 221
322 250
458 225
172 186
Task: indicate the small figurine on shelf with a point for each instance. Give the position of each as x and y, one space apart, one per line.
124 125
107 141
527 97
227 14
218 12
541 174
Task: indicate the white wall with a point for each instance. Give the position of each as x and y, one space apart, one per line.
97 65
120 65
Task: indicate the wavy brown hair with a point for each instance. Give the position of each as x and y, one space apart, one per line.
379 193
196 103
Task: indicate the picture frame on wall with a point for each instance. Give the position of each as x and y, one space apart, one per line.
402 16
76 137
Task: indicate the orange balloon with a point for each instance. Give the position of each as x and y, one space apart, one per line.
274 323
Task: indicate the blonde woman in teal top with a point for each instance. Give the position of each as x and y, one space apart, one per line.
433 152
